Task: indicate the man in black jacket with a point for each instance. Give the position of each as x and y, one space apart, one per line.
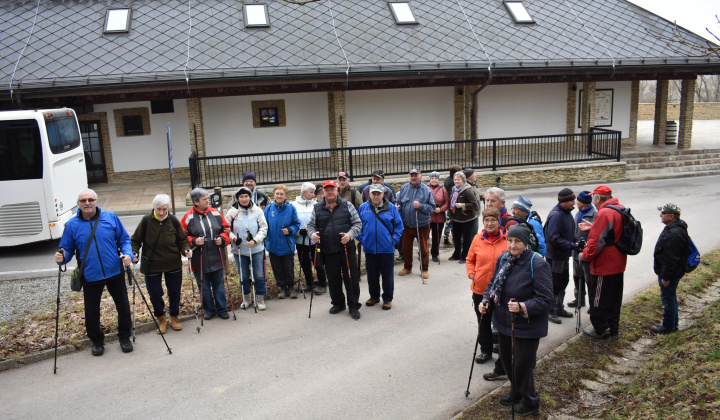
669 263
560 241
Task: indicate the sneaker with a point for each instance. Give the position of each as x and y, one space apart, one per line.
308 288
208 316
281 292
604 336
482 358
508 400
387 305
224 315
293 292
523 410
565 314
320 290
492 376
404 272
660 329
372 301
453 258
247 301
354 313
98 349
554 319
400 258
425 275
125 345
435 259
461 261
260 301
337 309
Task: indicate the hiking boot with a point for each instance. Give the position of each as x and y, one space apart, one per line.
320 290
492 376
281 292
224 315
565 314
98 349
482 358
293 292
354 313
523 410
260 300
507 399
604 336
308 288
404 272
425 275
453 258
660 329
387 305
435 259
446 242
372 301
175 323
247 301
574 303
400 258
125 345
554 319
162 324
461 261
208 316
336 309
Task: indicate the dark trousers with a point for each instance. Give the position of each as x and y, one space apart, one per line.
581 277
486 339
606 302
410 234
283 267
561 278
92 293
462 238
378 265
306 254
173 283
436 236
336 267
522 375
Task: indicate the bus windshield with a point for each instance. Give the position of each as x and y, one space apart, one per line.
20 150
62 134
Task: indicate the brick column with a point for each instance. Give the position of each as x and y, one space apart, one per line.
195 125
588 106
571 109
631 139
661 102
687 105
338 131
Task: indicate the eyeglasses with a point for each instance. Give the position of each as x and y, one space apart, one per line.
87 200
490 220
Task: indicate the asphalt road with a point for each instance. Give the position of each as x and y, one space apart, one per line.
411 362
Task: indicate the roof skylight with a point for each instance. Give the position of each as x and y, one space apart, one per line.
256 15
402 13
117 20
518 12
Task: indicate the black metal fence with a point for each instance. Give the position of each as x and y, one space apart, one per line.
360 162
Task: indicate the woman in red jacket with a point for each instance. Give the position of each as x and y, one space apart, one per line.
437 218
485 249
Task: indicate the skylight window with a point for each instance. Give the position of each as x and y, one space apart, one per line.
256 16
402 13
518 12
117 20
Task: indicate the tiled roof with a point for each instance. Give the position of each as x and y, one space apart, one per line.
68 47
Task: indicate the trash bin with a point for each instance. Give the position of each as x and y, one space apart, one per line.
671 130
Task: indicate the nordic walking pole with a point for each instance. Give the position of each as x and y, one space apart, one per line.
142 295
57 309
133 310
577 307
472 366
192 285
512 360
313 285
227 283
252 273
349 289
202 297
424 281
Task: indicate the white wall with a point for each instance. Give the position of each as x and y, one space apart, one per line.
621 105
399 116
522 110
229 126
134 153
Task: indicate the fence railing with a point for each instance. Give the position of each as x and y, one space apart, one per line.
360 162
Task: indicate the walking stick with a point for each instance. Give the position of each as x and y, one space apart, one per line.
349 289
195 306
252 272
424 280
142 295
227 283
577 307
61 268
313 284
133 310
512 360
202 296
472 366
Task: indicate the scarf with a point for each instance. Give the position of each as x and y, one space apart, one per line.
456 191
500 277
158 218
582 213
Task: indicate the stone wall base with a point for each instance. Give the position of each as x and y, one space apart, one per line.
701 111
148 175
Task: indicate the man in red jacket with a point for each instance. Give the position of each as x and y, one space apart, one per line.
607 265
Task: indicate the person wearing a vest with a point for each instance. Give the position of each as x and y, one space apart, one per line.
346 192
471 177
283 224
449 184
334 225
415 202
208 231
437 218
581 270
163 242
463 212
248 230
560 240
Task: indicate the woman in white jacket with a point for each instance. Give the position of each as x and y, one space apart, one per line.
305 248
248 229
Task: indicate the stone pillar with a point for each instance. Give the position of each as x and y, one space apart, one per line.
337 120
571 110
631 139
588 106
661 102
195 125
459 114
687 105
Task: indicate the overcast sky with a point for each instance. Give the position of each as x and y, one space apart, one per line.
694 15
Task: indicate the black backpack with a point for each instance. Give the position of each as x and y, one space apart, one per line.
534 243
630 241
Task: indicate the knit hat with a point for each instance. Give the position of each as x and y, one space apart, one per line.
468 172
434 174
241 191
248 175
520 232
566 194
602 190
585 197
523 204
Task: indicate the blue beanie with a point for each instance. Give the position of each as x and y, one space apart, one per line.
523 204
584 197
248 175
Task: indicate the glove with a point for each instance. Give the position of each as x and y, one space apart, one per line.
238 240
303 232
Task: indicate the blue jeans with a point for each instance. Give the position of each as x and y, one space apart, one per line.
378 265
213 285
670 307
243 264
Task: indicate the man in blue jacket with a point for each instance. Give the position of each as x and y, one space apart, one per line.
560 241
381 230
103 266
415 202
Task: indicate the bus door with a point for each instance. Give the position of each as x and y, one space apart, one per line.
92 144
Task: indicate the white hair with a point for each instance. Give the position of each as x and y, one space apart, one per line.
307 186
161 200
497 191
86 191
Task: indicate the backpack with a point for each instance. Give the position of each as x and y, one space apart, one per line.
534 243
693 258
631 237
173 219
536 216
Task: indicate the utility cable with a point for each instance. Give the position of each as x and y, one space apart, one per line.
490 62
593 36
347 70
32 29
187 61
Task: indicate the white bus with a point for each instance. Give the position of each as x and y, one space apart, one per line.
42 169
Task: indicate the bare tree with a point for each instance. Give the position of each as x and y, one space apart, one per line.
673 42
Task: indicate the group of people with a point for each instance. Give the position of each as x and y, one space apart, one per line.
518 267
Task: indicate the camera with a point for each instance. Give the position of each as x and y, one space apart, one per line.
581 244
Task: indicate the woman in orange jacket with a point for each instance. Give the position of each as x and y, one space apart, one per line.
485 249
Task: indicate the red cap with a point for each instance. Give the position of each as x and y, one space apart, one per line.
602 190
329 183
